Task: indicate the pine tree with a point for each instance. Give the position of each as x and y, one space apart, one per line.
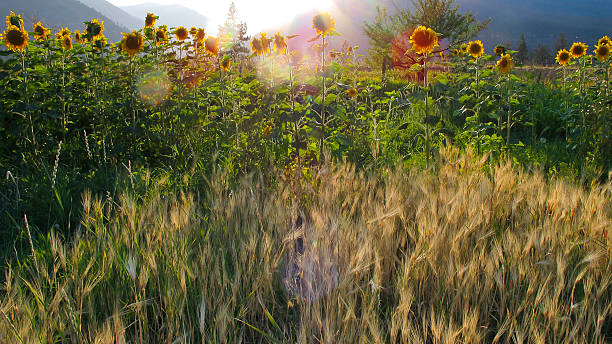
542 56
522 54
233 39
561 43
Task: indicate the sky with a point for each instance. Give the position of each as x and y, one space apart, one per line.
259 14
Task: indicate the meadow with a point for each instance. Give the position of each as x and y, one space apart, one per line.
168 188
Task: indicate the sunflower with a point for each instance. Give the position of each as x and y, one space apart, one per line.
41 32
100 43
280 44
226 62
80 37
63 32
475 49
463 48
256 46
602 52
200 35
423 40
578 49
94 29
161 35
15 20
181 33
212 46
504 64
150 20
351 92
15 38
265 42
193 31
66 42
323 23
605 40
132 43
563 57
500 50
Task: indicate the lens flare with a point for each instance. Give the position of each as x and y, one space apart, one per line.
154 87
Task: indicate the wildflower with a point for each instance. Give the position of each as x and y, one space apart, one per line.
94 29
256 46
181 33
500 50
14 20
475 49
212 46
563 57
504 64
132 43
226 62
15 38
280 44
150 20
423 40
578 49
323 23
41 32
66 42
161 35
351 92
605 40
602 51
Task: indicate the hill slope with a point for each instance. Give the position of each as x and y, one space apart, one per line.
118 15
61 13
171 15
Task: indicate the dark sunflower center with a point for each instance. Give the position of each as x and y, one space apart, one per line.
322 23
132 42
603 50
422 39
149 21
15 37
257 45
160 35
182 34
578 50
503 63
475 49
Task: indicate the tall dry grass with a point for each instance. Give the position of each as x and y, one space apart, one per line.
459 254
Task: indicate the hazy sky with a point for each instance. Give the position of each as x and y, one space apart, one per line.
258 14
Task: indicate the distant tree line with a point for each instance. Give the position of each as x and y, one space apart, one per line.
541 55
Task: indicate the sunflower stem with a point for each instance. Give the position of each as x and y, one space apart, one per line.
321 140
27 100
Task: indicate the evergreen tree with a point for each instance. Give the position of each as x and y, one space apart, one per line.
233 39
542 56
561 43
522 54
442 16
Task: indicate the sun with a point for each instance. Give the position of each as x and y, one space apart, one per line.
267 14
